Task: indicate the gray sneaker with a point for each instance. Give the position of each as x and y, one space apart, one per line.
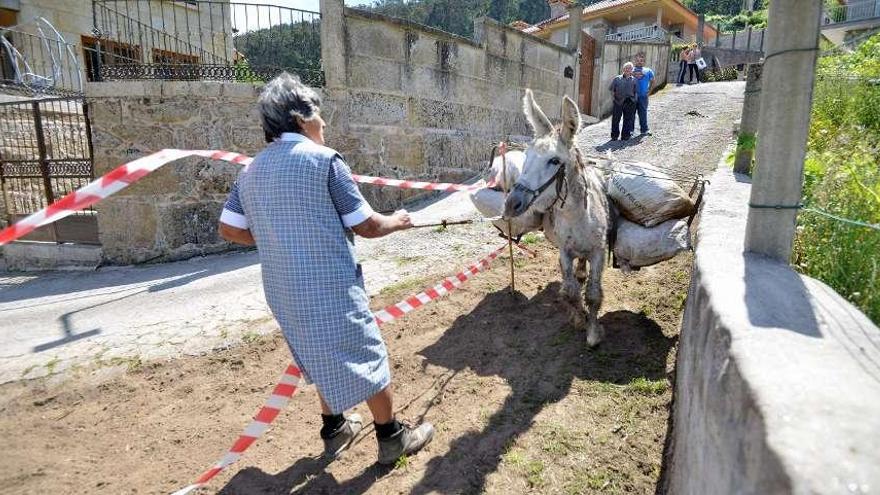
407 441
333 447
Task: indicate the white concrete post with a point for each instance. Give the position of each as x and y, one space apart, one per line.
334 58
786 98
748 124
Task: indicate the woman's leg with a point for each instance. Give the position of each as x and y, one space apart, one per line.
382 406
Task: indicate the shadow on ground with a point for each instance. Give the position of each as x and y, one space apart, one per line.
528 343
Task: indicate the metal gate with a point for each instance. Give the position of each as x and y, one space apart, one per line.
46 153
588 55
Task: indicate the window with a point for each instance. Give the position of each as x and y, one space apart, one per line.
169 57
111 53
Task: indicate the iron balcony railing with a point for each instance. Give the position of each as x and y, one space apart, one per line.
203 39
654 32
854 11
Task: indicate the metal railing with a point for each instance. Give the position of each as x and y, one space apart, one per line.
654 32
854 11
205 39
748 39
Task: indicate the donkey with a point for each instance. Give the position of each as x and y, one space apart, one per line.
577 213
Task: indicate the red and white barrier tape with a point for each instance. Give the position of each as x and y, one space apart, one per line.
411 184
129 173
292 375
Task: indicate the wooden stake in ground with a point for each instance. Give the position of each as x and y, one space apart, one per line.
502 148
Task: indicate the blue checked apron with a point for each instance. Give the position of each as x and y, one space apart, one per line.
312 283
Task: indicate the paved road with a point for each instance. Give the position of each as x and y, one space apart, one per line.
55 321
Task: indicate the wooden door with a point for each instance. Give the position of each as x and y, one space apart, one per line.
588 55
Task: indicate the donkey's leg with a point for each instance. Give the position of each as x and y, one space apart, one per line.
571 289
595 332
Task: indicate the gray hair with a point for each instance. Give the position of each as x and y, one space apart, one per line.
628 64
284 100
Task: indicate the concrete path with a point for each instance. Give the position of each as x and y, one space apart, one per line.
121 316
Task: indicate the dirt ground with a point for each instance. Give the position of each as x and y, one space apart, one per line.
520 405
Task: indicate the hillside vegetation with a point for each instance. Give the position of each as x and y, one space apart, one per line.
842 176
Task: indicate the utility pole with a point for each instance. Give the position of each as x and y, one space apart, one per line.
786 101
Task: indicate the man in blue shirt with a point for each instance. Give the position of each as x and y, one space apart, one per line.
645 79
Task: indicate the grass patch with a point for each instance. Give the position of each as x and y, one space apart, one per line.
407 284
131 363
402 462
534 471
514 457
251 337
51 365
643 386
530 239
402 261
25 372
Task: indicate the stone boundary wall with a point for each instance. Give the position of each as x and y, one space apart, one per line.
777 387
418 103
401 100
173 212
617 53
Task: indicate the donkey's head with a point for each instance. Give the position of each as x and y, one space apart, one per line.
547 158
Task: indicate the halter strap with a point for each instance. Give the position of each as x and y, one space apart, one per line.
558 177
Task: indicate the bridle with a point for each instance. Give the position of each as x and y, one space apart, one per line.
561 183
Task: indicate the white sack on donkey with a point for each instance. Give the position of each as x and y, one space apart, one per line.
646 195
636 246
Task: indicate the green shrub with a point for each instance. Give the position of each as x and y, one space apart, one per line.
719 74
842 177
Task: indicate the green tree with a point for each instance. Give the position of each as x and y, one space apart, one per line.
723 7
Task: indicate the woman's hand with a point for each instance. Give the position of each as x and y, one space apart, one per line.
380 225
402 219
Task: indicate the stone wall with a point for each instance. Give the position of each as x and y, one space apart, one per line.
173 212
617 53
777 387
401 100
418 103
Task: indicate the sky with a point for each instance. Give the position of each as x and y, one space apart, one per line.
260 17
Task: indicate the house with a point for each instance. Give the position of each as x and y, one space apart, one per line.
624 20
61 43
845 22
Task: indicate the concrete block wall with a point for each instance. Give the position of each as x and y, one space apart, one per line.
777 387
173 212
415 102
614 55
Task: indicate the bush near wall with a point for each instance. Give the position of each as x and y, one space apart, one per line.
719 74
842 176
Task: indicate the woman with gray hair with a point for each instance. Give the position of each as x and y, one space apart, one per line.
298 203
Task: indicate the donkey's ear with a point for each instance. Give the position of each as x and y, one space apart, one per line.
540 123
571 121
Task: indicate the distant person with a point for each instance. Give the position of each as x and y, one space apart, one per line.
693 55
625 96
645 82
683 64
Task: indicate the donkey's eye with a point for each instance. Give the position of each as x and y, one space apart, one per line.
553 161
